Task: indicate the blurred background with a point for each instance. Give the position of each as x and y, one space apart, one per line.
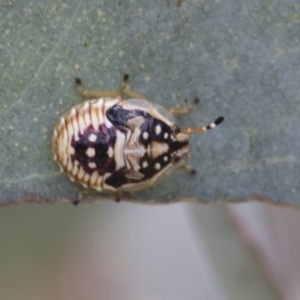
242 58
126 251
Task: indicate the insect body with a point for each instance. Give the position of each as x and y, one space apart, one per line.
111 144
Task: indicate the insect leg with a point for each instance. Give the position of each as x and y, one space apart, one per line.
127 91
118 196
186 109
96 94
183 164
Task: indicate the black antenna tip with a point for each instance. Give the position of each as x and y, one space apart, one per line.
219 120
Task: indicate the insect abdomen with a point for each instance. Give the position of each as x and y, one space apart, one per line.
83 143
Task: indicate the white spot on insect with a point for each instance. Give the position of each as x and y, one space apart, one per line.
110 152
90 152
92 165
145 164
92 137
157 166
166 135
157 129
166 158
212 125
145 135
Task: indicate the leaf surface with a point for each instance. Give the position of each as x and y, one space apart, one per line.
240 57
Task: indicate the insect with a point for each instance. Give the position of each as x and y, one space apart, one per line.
113 145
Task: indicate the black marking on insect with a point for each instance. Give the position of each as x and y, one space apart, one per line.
111 144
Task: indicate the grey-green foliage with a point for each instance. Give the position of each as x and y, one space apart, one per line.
240 57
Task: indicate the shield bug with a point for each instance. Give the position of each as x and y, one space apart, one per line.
112 145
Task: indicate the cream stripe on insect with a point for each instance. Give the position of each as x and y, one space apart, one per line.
75 124
80 121
54 144
98 105
93 178
67 150
94 117
86 178
100 182
80 174
60 140
87 114
75 169
70 127
70 166
70 131
119 149
64 139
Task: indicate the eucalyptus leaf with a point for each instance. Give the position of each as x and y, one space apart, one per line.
240 57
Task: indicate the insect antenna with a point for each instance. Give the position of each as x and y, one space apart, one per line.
204 128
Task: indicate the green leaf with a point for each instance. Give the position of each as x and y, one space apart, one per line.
240 57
